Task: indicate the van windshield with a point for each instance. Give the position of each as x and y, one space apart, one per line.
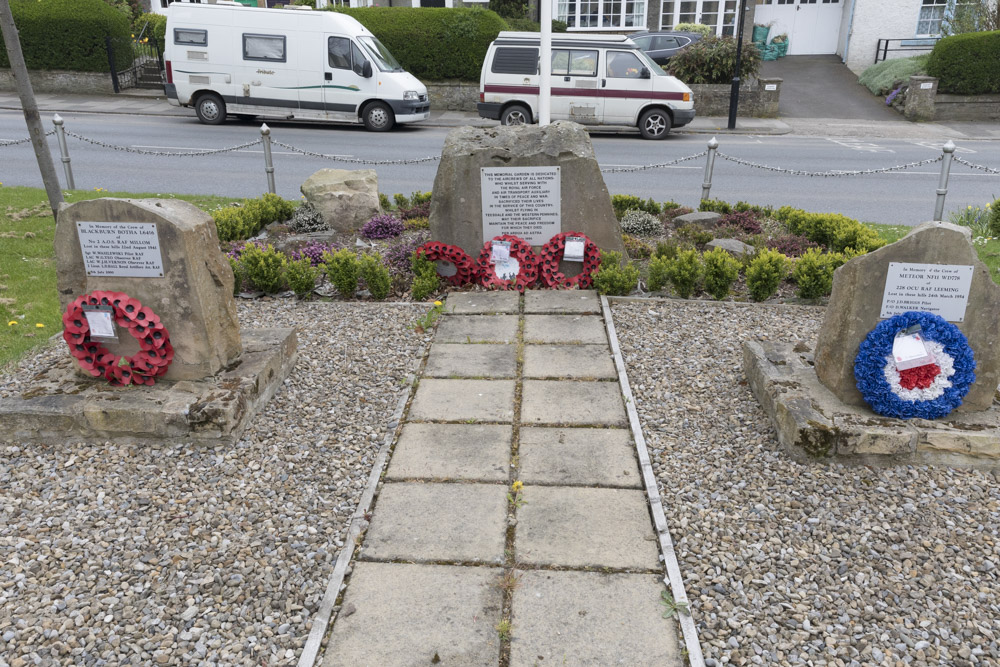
654 69
381 55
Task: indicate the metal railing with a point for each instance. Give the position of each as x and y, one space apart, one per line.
882 49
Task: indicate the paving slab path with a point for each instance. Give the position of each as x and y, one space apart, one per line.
512 526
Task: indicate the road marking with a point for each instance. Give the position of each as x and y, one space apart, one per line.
858 145
938 145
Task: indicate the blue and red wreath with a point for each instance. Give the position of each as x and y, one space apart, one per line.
552 254
926 392
521 252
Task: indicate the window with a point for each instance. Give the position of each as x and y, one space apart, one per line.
566 12
340 52
931 16
710 14
665 42
623 65
635 13
612 14
190 37
729 18
515 60
575 62
667 15
264 47
589 10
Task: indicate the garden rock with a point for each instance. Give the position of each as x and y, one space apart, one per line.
856 303
585 205
704 219
345 199
734 247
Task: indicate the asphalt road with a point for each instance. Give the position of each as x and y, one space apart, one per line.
905 197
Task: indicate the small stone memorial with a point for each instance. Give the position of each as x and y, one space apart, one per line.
148 267
527 181
907 362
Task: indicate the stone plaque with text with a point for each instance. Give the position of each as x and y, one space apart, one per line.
523 201
126 249
942 289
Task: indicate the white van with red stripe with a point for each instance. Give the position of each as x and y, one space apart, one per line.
596 80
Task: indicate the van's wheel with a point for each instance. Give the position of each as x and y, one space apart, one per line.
211 109
654 124
378 117
515 114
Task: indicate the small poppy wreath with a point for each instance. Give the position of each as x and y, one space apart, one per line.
552 254
143 367
520 250
465 267
925 392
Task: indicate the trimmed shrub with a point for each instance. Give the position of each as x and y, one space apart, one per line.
694 234
813 272
836 232
766 271
684 272
699 28
68 34
612 278
264 267
300 274
433 43
715 206
657 272
383 226
967 64
641 223
883 77
666 249
527 25
342 271
995 219
376 275
721 271
744 220
235 223
635 247
624 203
713 60
425 277
239 273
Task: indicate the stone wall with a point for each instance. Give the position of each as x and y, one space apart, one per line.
927 104
453 95
62 82
756 101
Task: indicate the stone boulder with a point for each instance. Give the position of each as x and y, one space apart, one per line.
346 199
734 247
585 205
856 303
704 219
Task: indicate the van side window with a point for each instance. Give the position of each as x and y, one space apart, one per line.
264 47
574 62
340 52
190 37
359 59
515 60
623 65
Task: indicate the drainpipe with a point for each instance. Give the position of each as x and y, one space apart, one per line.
850 29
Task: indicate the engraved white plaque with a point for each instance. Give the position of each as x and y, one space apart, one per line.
125 249
523 201
770 86
942 289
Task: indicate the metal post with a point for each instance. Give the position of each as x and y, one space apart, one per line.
734 92
706 187
942 190
63 151
265 134
111 64
545 65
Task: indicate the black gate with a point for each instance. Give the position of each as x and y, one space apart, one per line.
135 62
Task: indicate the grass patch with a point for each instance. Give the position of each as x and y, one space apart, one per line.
28 293
988 248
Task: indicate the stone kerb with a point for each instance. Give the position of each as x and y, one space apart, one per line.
193 298
856 302
585 205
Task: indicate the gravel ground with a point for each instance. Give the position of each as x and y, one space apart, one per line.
803 564
209 556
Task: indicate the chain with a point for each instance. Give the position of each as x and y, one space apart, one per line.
620 170
859 172
988 170
353 160
15 142
127 149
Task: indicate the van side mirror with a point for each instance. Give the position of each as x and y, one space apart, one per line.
366 69
644 74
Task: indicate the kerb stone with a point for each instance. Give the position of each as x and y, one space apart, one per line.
856 303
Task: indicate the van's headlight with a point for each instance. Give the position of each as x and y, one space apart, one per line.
411 95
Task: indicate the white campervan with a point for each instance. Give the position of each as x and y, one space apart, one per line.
294 64
596 80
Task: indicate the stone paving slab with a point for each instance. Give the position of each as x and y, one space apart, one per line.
463 400
565 402
465 452
405 614
586 329
578 456
569 361
477 329
583 527
459 360
592 618
482 303
568 301
438 521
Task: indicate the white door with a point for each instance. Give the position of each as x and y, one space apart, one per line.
812 26
623 88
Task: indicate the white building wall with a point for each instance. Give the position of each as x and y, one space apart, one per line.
880 19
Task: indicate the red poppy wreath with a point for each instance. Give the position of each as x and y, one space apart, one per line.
465 268
519 271
143 367
552 254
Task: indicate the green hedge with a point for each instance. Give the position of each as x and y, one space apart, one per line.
65 34
833 230
712 60
433 44
967 64
157 28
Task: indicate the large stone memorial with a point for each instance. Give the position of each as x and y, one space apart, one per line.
811 393
163 255
528 181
